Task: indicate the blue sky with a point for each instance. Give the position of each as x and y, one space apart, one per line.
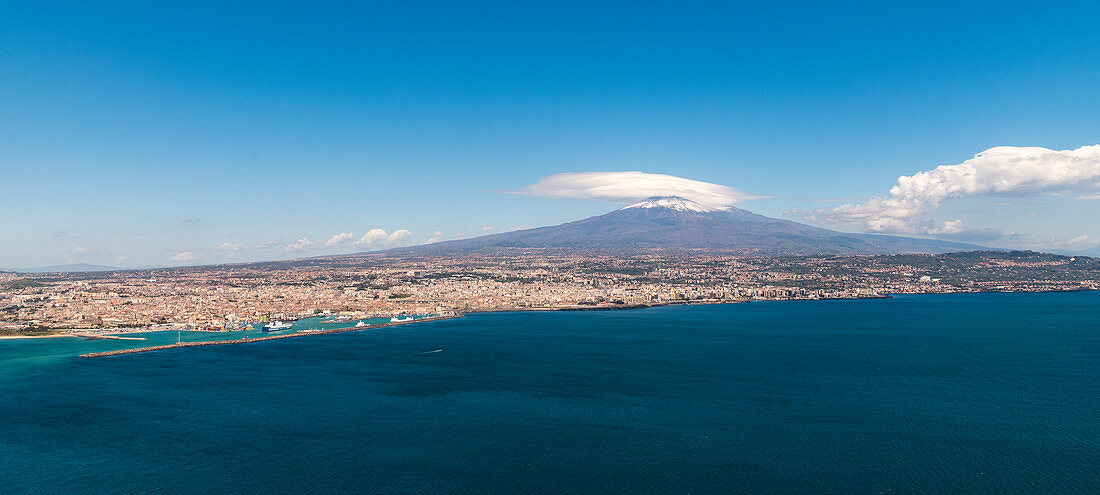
136 134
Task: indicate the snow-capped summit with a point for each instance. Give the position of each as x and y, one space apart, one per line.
673 203
675 222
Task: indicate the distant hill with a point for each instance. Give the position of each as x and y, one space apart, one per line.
1093 252
77 267
673 222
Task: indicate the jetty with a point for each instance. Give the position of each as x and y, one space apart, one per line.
248 340
101 336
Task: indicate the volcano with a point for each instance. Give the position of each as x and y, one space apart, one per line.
678 223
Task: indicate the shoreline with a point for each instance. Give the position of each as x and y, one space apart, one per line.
85 333
303 333
50 336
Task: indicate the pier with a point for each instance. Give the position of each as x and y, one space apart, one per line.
101 336
137 350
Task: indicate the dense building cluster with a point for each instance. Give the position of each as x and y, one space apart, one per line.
389 284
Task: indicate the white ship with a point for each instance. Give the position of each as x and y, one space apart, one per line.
394 319
275 326
360 324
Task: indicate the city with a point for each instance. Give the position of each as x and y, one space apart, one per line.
369 285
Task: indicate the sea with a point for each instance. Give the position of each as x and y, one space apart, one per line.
923 394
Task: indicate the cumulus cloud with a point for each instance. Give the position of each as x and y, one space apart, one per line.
1004 170
380 238
625 187
229 246
435 237
303 244
183 256
398 237
372 237
949 227
339 239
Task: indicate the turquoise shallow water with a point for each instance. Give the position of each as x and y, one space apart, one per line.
985 393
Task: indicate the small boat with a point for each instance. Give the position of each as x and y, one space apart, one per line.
360 324
275 326
394 319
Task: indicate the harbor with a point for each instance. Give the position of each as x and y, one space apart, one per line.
248 340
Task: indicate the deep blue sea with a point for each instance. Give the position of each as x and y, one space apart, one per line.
976 394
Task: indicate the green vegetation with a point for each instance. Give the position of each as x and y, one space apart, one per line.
32 330
22 284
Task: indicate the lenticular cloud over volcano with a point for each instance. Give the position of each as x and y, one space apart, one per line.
627 187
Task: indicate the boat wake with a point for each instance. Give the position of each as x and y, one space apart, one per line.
426 352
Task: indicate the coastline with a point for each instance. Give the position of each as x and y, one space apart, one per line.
617 307
84 333
702 302
458 315
261 339
50 336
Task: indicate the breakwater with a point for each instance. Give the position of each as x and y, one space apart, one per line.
100 336
136 350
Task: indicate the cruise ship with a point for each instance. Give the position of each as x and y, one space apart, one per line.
276 325
394 319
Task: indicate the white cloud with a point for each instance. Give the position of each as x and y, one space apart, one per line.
398 237
339 239
625 187
435 237
1089 197
1004 170
950 227
303 244
183 256
486 228
381 238
1079 242
372 237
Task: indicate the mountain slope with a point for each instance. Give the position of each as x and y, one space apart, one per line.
670 222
